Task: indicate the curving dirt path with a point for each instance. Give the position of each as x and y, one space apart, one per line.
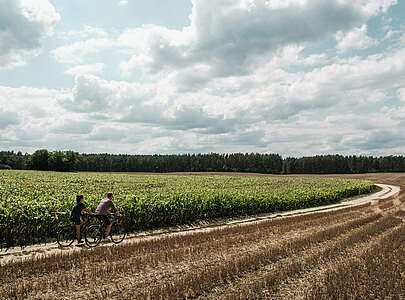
354 249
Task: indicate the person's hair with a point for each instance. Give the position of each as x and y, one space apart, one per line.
109 195
78 198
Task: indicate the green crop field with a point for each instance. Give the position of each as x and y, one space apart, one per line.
33 203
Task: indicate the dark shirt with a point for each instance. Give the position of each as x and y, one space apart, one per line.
77 210
103 206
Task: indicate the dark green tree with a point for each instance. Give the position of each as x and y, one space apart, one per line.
39 160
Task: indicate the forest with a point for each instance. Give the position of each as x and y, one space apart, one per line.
70 161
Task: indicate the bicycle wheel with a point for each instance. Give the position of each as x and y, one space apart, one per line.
66 235
117 233
92 235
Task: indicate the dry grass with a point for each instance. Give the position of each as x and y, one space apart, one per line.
352 253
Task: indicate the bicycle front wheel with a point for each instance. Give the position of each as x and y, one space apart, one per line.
93 235
117 233
66 235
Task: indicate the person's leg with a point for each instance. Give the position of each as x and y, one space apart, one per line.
107 232
81 223
78 232
108 224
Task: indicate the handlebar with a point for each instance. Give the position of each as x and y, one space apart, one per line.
115 215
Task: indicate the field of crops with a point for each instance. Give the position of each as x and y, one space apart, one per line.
352 253
33 203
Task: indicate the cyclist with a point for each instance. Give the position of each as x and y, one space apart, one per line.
75 214
102 210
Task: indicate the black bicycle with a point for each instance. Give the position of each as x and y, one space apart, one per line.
66 233
95 233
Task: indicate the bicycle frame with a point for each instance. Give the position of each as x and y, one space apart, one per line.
96 232
71 232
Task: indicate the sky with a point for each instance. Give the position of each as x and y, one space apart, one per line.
293 77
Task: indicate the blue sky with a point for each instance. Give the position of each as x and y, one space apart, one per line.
294 77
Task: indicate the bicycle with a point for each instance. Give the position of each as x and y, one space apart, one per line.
66 233
95 232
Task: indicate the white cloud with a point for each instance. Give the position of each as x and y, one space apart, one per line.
234 37
23 24
75 53
123 2
375 140
92 94
149 40
73 127
390 33
402 39
86 69
401 94
256 109
108 133
355 39
87 32
8 118
291 55
37 112
31 104
372 8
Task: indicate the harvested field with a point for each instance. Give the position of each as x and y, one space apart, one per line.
355 252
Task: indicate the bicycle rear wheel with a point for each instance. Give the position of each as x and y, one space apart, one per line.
66 235
93 235
117 233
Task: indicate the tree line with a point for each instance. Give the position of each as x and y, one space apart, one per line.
70 161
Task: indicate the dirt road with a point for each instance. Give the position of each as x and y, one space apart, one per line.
354 252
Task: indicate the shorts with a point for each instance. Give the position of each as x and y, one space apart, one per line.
104 219
76 220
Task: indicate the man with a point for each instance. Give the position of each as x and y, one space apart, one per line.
101 213
75 215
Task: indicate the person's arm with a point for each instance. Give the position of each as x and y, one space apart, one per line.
115 209
82 208
88 211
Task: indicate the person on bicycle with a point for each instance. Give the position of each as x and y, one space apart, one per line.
75 214
101 213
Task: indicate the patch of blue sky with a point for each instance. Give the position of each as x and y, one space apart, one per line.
39 72
397 12
106 15
109 14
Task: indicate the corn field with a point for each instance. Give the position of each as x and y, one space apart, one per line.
33 203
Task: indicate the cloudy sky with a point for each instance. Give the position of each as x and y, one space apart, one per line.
294 77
